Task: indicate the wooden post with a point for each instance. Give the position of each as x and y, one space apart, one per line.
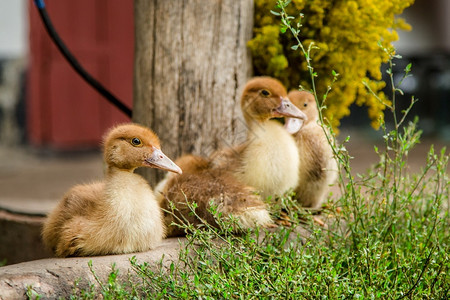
191 62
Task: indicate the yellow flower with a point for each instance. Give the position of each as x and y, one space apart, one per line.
347 34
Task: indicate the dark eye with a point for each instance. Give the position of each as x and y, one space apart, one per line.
305 104
265 92
136 142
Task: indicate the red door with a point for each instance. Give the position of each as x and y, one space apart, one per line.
63 111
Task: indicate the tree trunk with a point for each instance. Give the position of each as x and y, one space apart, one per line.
191 62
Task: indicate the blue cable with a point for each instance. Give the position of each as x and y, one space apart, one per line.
39 3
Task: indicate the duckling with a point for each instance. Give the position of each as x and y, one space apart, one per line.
318 167
119 214
268 160
189 164
266 163
205 186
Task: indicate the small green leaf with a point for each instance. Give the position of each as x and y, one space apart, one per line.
295 47
275 13
408 68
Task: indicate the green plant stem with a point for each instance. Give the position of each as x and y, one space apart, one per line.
343 158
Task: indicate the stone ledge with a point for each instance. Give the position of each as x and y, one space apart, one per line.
54 277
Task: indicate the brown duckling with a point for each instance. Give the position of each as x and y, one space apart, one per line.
204 185
266 163
119 214
318 167
268 160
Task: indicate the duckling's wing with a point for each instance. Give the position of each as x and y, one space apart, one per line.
212 187
318 166
80 201
192 163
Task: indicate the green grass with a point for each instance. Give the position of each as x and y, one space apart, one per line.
383 251
387 236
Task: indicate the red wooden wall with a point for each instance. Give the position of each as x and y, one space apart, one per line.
64 112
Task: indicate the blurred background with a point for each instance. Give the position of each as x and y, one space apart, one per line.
51 121
44 104
427 47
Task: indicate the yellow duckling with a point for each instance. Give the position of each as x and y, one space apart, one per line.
119 214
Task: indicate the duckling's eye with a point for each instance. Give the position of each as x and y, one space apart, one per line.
265 92
136 142
305 104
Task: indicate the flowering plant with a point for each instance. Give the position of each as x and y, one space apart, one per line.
346 32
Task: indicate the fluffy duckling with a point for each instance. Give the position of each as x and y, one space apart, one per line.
267 163
204 185
269 159
119 214
318 168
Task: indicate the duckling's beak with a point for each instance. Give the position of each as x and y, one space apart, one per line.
294 116
288 109
160 161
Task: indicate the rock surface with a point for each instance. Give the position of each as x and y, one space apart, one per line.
53 278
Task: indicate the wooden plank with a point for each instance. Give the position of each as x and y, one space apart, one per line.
74 106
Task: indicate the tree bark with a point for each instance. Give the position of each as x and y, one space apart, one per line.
191 62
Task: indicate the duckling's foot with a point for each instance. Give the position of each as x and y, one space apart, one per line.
284 220
319 222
